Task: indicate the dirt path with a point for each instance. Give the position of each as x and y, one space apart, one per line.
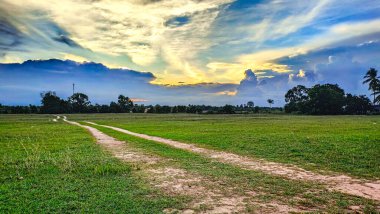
56 120
342 183
207 196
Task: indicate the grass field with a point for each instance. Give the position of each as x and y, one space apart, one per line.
348 144
56 167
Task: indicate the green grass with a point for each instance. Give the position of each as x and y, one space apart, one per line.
347 144
268 188
55 167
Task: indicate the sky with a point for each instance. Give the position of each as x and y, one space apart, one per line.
171 52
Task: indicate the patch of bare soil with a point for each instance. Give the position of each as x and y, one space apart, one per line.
341 183
55 119
207 196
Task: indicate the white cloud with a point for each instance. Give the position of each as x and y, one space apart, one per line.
335 34
273 27
139 29
268 21
134 28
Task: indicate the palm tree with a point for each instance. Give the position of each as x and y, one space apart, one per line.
270 101
373 82
250 104
376 94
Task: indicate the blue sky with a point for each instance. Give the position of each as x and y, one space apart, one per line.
184 52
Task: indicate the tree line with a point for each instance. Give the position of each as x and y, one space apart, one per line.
328 99
79 103
321 99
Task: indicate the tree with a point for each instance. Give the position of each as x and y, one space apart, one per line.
79 103
114 107
174 109
296 99
125 103
150 109
326 99
228 109
104 109
52 104
138 108
376 94
166 109
271 102
373 83
157 109
357 104
250 104
191 109
32 109
256 109
181 109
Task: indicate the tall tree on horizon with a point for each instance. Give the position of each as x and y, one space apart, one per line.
250 104
373 82
270 101
377 94
79 102
125 103
52 104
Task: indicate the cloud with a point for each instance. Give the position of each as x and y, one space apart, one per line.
57 75
250 79
147 32
335 34
269 31
204 47
101 83
259 23
138 100
177 21
342 71
66 40
10 36
344 65
302 77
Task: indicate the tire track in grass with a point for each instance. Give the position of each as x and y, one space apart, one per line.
342 183
207 196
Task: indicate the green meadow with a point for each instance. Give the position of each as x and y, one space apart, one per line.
346 144
49 166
